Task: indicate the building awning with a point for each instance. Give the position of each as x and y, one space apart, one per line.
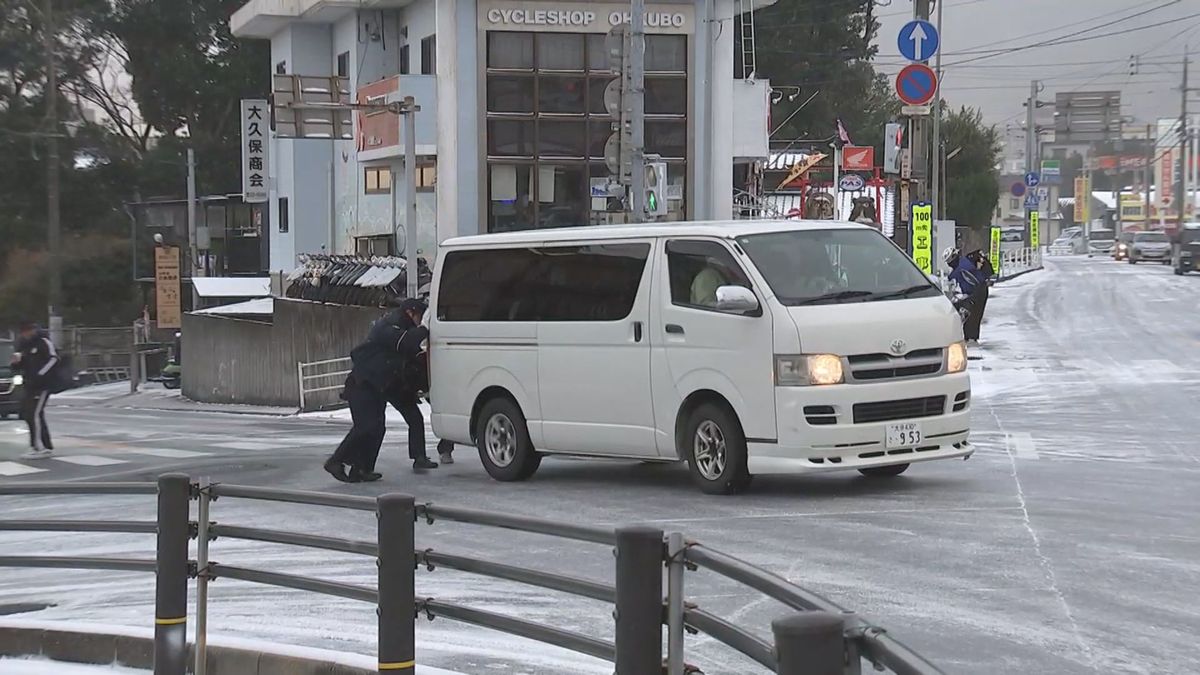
232 287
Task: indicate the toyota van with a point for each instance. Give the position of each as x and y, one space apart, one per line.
740 348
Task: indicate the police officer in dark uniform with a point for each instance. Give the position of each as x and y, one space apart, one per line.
385 370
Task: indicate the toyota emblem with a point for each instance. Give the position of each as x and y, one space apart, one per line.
898 347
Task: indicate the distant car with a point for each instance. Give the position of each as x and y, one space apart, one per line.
1150 246
1124 243
1072 237
11 383
1187 252
1101 242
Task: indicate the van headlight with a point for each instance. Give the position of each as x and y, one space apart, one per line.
956 357
18 380
798 370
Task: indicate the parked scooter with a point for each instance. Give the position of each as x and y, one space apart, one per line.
172 373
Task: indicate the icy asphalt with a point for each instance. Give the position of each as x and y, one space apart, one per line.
1068 544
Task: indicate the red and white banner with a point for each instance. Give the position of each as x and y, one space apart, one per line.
858 158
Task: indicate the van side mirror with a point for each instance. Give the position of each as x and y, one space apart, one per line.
736 299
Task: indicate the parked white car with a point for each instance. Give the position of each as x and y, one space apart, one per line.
742 348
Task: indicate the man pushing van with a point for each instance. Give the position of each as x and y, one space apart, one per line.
387 369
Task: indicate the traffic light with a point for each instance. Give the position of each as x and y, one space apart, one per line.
656 188
1133 64
893 141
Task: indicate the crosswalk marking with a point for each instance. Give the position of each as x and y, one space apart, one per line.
252 445
168 454
17 469
89 460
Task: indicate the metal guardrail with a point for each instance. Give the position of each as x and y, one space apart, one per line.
819 636
1019 261
331 377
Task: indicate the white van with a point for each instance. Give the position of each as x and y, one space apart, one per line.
742 348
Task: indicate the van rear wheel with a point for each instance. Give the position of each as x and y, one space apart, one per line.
884 471
715 449
502 438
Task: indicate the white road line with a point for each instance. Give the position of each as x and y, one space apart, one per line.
1022 445
17 469
169 454
89 460
252 445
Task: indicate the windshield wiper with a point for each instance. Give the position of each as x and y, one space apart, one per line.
834 297
904 292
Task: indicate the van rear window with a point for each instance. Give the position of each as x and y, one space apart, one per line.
593 282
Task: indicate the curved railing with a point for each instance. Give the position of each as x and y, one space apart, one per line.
819 637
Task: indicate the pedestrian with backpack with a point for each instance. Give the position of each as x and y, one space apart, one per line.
37 360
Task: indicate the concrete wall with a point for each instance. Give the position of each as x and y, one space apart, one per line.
236 361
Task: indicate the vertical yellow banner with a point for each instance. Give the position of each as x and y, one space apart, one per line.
166 286
994 253
922 236
1035 237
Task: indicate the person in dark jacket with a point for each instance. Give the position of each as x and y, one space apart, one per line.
974 284
383 372
35 359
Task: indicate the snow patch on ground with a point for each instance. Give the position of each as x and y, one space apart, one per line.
311 653
40 666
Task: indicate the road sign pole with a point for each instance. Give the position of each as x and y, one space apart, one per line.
1030 141
937 127
637 96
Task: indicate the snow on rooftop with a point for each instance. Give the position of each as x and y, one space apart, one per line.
232 287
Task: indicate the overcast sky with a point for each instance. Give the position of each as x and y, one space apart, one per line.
998 84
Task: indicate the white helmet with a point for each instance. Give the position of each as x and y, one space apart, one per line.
949 254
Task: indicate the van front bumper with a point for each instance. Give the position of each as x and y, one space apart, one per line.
806 445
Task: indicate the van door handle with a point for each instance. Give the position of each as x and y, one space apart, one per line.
675 329
637 331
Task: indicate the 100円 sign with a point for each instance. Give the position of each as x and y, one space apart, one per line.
256 125
922 236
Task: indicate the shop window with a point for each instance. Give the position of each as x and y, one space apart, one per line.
560 51
546 127
285 216
510 51
429 55
343 64
377 180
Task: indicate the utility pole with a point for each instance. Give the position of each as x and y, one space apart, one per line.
1149 168
1031 143
53 216
637 99
410 223
1182 195
192 250
938 153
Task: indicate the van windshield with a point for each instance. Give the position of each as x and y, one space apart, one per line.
812 267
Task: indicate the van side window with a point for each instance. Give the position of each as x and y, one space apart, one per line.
697 269
592 282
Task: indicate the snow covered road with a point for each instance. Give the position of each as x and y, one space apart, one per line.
1069 544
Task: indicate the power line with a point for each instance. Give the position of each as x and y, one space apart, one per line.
1063 40
1077 23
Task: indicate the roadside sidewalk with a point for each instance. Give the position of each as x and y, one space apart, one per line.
153 396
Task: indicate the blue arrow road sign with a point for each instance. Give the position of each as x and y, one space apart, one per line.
1032 179
1031 200
918 40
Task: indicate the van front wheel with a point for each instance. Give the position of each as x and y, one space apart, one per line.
502 438
715 448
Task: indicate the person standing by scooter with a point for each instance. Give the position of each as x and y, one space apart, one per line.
973 284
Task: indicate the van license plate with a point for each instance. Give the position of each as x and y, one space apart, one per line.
906 435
